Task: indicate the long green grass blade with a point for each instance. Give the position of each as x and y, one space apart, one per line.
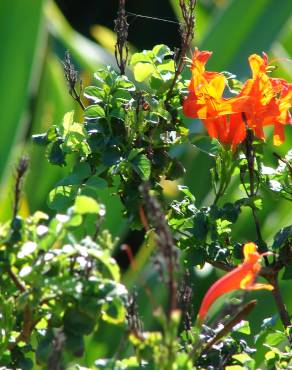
20 25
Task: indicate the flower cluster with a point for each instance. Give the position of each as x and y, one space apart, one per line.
242 277
262 101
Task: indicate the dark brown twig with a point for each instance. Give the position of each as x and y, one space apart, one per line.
132 316
250 157
284 315
54 361
15 280
247 308
28 326
187 33
185 301
164 241
71 76
20 172
121 29
284 160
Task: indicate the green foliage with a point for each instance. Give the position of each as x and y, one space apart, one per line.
63 299
126 135
61 285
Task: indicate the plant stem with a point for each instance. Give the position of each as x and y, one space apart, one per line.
252 192
284 160
250 156
284 315
243 312
16 281
187 34
164 241
121 29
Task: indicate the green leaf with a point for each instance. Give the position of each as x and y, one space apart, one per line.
282 237
77 322
207 145
161 51
94 112
242 327
79 174
142 166
194 257
84 204
133 153
96 182
274 339
123 83
67 121
200 228
245 37
40 139
114 312
62 197
111 156
287 275
95 94
145 57
142 71
55 153
20 30
185 190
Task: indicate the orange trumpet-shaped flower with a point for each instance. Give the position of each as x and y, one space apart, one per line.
263 101
270 100
205 92
228 129
242 277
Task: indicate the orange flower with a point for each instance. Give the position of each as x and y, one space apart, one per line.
270 100
228 129
242 277
264 101
205 92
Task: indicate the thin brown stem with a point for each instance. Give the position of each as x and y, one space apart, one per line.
121 29
164 242
28 326
284 160
231 323
284 315
187 34
250 157
20 172
15 280
71 76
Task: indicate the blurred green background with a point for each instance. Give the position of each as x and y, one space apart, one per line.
34 35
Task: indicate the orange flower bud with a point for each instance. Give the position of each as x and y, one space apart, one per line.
242 277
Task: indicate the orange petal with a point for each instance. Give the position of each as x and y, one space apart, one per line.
247 282
248 249
259 286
